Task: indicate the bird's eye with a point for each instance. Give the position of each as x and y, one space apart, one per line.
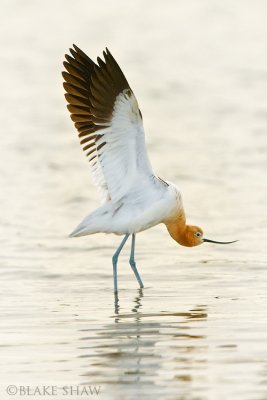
198 234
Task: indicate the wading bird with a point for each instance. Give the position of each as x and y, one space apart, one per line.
133 198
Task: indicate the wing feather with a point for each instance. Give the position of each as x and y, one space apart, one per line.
107 117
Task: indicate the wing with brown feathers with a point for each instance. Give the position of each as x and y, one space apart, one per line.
106 115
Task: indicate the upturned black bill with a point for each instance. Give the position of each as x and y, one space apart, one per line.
214 241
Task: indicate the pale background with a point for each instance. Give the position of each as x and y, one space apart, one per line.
199 328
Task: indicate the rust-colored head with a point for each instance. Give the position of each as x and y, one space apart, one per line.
188 235
192 236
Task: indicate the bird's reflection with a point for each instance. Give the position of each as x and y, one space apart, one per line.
116 303
137 302
135 346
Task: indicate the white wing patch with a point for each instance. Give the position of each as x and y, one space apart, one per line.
123 158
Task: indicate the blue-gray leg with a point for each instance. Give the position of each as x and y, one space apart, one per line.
115 262
133 264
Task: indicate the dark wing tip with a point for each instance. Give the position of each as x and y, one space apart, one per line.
79 51
100 62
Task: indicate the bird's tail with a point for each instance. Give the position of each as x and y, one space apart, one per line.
80 232
94 223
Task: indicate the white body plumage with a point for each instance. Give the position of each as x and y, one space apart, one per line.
132 215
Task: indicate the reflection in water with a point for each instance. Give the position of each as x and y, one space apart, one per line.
137 302
130 350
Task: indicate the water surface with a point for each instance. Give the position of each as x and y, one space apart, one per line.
198 330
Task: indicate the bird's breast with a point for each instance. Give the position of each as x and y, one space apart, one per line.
134 217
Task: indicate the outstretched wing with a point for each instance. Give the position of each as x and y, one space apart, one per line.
106 114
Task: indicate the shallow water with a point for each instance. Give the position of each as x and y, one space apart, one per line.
198 330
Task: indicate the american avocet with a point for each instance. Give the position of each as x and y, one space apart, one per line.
133 198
